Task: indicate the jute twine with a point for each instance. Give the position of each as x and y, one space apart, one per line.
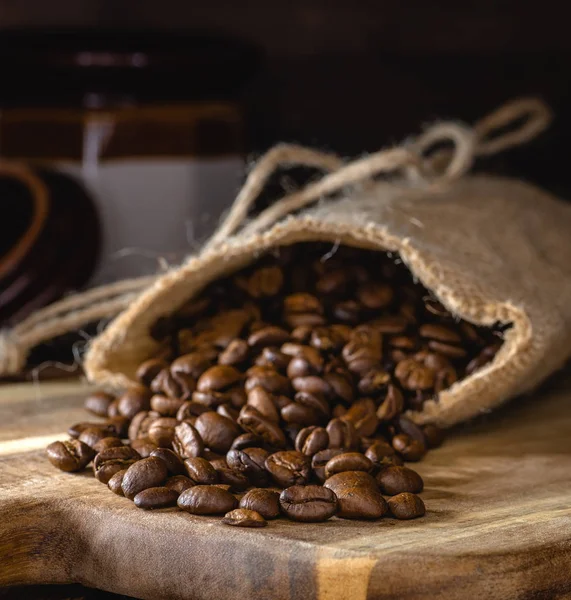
413 162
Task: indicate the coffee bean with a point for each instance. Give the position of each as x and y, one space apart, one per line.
265 502
342 434
92 435
341 386
447 349
273 358
362 414
375 295
206 500
308 504
311 440
149 369
114 484
237 482
433 435
109 461
242 517
413 375
265 282
216 431
247 440
312 384
72 455
289 468
439 333
409 448
321 458
179 483
146 473
201 471
235 353
156 497
194 363
174 464
98 403
360 502
348 461
392 405
254 422
187 442
76 429
267 378
165 405
118 426
264 402
162 431
140 424
348 480
107 442
383 454
406 506
191 409
251 463
133 401
395 480
143 446
302 303
268 336
218 378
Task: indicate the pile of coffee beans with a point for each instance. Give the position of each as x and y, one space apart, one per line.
281 391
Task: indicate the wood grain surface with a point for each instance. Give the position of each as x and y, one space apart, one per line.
498 525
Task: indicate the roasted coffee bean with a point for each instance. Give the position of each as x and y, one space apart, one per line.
191 409
98 403
113 410
133 401
447 349
395 480
118 426
390 325
321 458
140 424
375 295
251 463
218 378
201 471
362 414
348 461
302 303
439 333
71 455
75 430
206 500
143 446
311 384
242 517
392 405
254 422
107 442
194 363
166 406
187 442
238 482
265 502
247 440
234 354
406 506
268 336
405 425
216 431
383 454
264 402
144 474
413 375
289 468
174 464
342 434
433 435
409 448
267 378
179 483
109 461
341 386
356 498
173 384
114 484
308 504
300 415
273 358
156 497
92 435
265 282
311 440
149 369
162 431
228 411
374 382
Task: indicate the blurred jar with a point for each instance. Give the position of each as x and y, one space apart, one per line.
151 125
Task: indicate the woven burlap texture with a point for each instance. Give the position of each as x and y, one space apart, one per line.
490 249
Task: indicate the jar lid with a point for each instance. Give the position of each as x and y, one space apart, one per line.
103 68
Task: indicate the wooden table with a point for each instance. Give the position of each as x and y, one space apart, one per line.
498 495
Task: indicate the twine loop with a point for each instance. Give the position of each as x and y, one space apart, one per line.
418 160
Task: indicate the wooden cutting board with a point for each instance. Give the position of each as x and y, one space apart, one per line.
498 525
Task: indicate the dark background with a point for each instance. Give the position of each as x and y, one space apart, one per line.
353 76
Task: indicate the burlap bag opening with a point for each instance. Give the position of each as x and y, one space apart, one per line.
490 249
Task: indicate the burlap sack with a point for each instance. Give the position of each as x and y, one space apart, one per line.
490 249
